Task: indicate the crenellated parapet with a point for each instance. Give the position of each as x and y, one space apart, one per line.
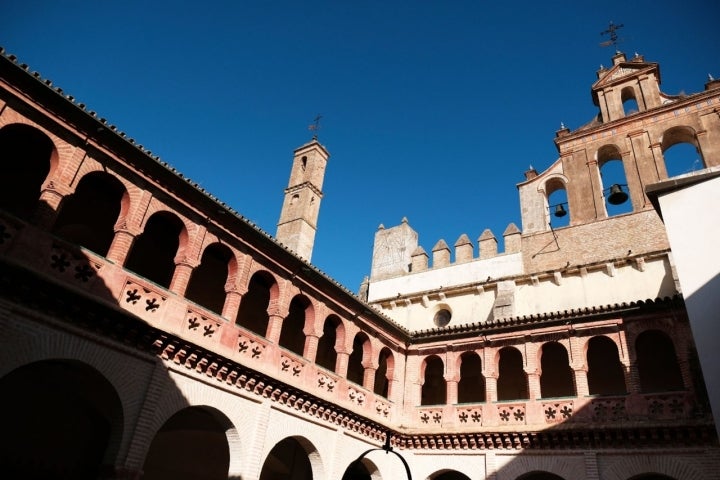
397 251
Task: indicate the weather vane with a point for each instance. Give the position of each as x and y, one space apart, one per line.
315 126
612 31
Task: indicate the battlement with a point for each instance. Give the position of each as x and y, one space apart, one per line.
397 252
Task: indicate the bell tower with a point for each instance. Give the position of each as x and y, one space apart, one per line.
301 207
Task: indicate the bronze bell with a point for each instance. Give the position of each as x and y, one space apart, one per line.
560 210
617 196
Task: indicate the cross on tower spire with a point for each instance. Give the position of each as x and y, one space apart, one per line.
315 126
612 31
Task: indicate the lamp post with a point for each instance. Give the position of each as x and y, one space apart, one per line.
388 449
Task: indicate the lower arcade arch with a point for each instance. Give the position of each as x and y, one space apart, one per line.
540 476
292 458
362 470
191 445
449 475
62 420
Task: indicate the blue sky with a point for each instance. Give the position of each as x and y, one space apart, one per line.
432 110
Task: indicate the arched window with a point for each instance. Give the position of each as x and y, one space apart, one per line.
512 381
471 387
153 252
657 363
681 151
614 181
361 348
557 378
26 154
434 388
605 372
253 311
326 353
207 282
383 373
292 334
190 444
88 216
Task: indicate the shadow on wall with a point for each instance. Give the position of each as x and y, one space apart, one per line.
82 393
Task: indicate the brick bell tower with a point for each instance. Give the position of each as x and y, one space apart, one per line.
301 207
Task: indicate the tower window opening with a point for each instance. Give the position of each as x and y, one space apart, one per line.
629 102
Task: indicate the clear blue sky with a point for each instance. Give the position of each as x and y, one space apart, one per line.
431 109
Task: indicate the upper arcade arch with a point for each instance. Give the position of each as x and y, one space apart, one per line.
253 313
88 216
657 362
207 285
605 372
153 252
512 382
556 378
384 373
28 156
333 337
471 386
434 387
359 358
300 315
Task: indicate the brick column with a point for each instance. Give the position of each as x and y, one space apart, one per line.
311 346
47 208
369 378
120 246
491 388
274 327
581 382
232 304
533 380
341 364
181 278
632 378
452 392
